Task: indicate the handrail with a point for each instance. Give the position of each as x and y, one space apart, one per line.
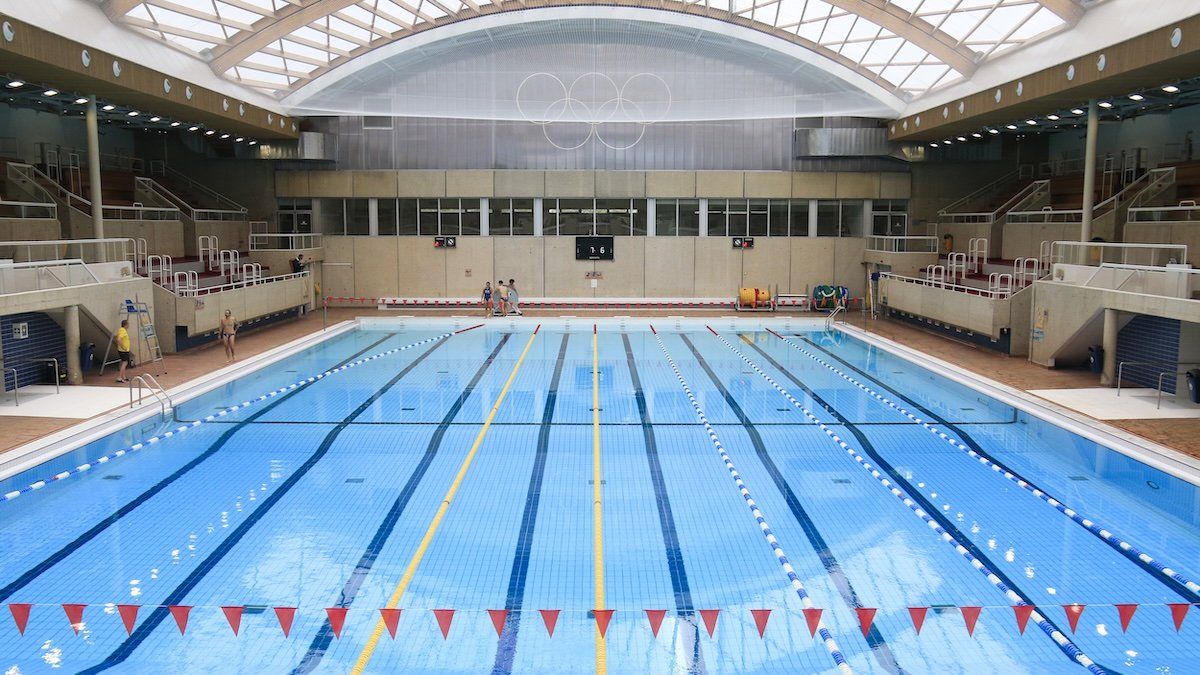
1158 401
291 241
160 168
884 243
1057 253
205 290
1016 174
16 386
42 268
28 210
1122 364
50 359
107 159
49 186
839 309
950 286
193 212
120 247
160 394
1051 215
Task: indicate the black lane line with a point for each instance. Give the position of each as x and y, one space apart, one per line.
58 556
879 646
316 650
1182 590
506 649
603 424
143 631
666 520
933 511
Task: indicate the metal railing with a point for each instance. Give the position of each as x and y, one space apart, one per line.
995 294
1141 273
1130 192
16 386
57 372
139 212
243 283
224 205
194 212
1030 193
108 160
1186 212
11 209
40 275
840 309
1023 171
886 244
287 242
1161 374
110 249
147 381
1096 253
28 176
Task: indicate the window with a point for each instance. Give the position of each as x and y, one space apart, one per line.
449 217
427 217
500 218
716 217
358 218
407 215
295 215
798 217
689 218
331 215
522 217
470 215
889 217
758 218
840 218
778 215
666 217
387 216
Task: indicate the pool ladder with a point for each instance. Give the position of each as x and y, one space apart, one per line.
146 382
840 309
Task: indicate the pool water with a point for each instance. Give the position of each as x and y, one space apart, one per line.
766 486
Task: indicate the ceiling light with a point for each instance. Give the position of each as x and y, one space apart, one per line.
934 144
1171 89
224 136
110 107
239 139
1031 122
1012 127
1104 104
50 92
80 101
1076 111
948 142
976 135
1136 97
193 128
1052 118
155 118
175 124
993 131
962 138
210 132
133 113
15 83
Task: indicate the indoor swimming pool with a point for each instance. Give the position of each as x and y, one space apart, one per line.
645 496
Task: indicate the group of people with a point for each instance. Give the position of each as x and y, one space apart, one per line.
503 300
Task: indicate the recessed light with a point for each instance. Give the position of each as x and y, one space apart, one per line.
175 124
224 136
155 118
1012 127
110 107
133 113
253 142
934 144
1104 104
1171 89
193 128
1031 122
1136 97
962 138
1076 111
210 132
993 131
948 142
239 139
976 135
1052 118
13 84
80 101
50 92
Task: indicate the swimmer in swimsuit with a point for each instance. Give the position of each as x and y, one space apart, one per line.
228 335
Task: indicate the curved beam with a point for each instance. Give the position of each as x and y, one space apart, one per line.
886 15
1067 10
115 9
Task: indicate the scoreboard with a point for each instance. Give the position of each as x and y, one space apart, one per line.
593 248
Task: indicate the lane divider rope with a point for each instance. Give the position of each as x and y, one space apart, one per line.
1064 643
1118 542
830 644
597 508
9 496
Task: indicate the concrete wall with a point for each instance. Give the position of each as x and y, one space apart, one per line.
601 184
25 229
203 314
976 313
1158 233
372 267
162 236
231 234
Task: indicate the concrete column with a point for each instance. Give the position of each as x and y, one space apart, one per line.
485 216
538 218
93 150
373 217
1109 343
71 331
703 217
1089 171
651 217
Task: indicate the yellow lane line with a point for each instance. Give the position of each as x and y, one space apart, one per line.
597 505
411 570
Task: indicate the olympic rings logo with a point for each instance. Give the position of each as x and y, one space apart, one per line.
593 106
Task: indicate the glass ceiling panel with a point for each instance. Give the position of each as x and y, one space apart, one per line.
909 46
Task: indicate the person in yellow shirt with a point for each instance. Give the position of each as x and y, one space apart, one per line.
122 340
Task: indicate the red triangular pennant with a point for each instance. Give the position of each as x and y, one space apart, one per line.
813 616
866 616
180 614
760 619
444 618
1022 612
970 616
918 617
1125 611
1179 610
128 616
656 618
20 614
286 616
550 618
233 614
603 616
74 615
710 619
1073 613
391 619
337 619
499 618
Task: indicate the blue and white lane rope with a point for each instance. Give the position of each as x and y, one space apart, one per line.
9 496
1129 550
797 585
1064 643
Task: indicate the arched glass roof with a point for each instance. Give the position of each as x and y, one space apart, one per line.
906 46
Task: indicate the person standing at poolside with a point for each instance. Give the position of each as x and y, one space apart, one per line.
501 298
228 335
123 351
514 298
487 299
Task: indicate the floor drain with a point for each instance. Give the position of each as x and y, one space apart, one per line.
114 476
407 409
842 481
355 480
1078 477
781 409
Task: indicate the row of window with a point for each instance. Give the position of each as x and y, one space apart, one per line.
617 217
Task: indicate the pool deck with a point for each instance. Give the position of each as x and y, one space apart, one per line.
1182 434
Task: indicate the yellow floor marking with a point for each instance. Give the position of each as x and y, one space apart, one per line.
597 505
411 570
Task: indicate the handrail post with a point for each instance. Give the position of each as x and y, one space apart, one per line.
16 386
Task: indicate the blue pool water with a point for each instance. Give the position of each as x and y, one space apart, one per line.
805 470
